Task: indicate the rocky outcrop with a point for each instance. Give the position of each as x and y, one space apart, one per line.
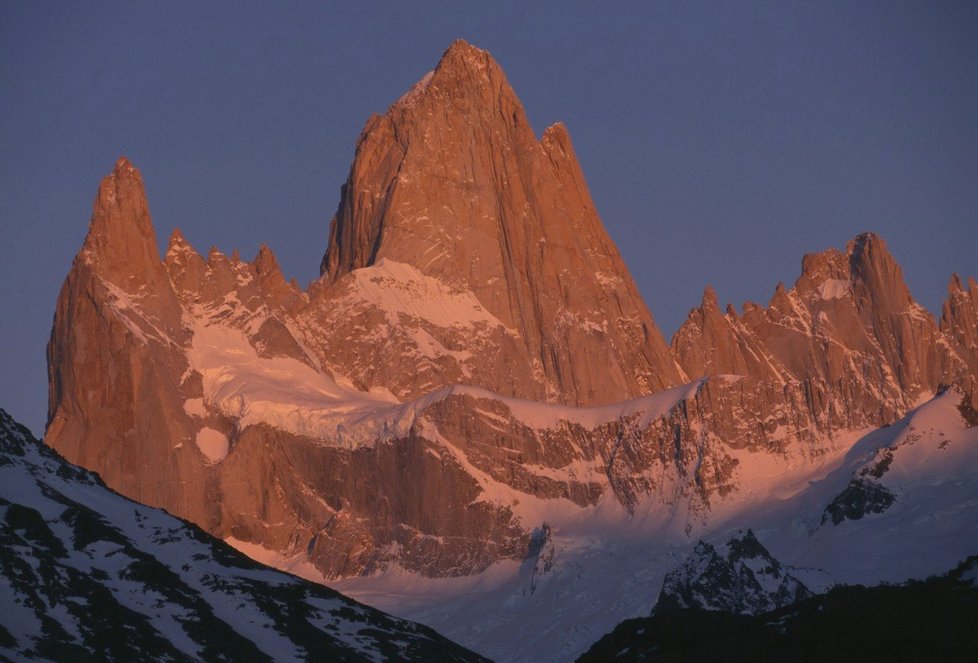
931 440
739 577
715 343
541 557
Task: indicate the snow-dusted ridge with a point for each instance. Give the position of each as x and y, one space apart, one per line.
88 574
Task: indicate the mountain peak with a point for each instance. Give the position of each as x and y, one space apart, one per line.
121 240
710 300
177 243
214 256
462 53
745 545
122 164
959 323
867 249
740 577
867 253
464 63
266 261
556 135
954 285
176 237
453 182
828 264
463 71
267 267
957 285
179 250
121 200
864 242
876 276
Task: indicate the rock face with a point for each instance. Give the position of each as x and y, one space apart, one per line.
421 405
959 324
90 575
453 181
848 335
134 369
115 358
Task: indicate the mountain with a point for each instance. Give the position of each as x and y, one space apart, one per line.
740 577
848 335
917 621
474 373
89 574
453 182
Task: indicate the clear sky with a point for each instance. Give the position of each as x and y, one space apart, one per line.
721 140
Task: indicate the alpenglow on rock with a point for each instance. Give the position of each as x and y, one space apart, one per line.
421 406
453 181
848 335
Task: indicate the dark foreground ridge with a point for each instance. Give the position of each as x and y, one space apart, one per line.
91 575
929 620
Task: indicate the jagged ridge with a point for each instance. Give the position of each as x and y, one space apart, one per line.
740 577
89 574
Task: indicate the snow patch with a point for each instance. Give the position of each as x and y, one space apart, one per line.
609 281
213 444
412 95
400 289
287 394
194 407
544 415
834 289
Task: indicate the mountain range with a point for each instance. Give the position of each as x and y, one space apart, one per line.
471 418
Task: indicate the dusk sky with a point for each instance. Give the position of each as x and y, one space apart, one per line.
721 141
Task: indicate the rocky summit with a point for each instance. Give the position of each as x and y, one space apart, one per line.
453 183
739 577
474 366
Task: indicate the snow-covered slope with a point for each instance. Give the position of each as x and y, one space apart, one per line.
88 574
604 557
903 503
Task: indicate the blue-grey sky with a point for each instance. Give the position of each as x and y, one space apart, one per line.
721 140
